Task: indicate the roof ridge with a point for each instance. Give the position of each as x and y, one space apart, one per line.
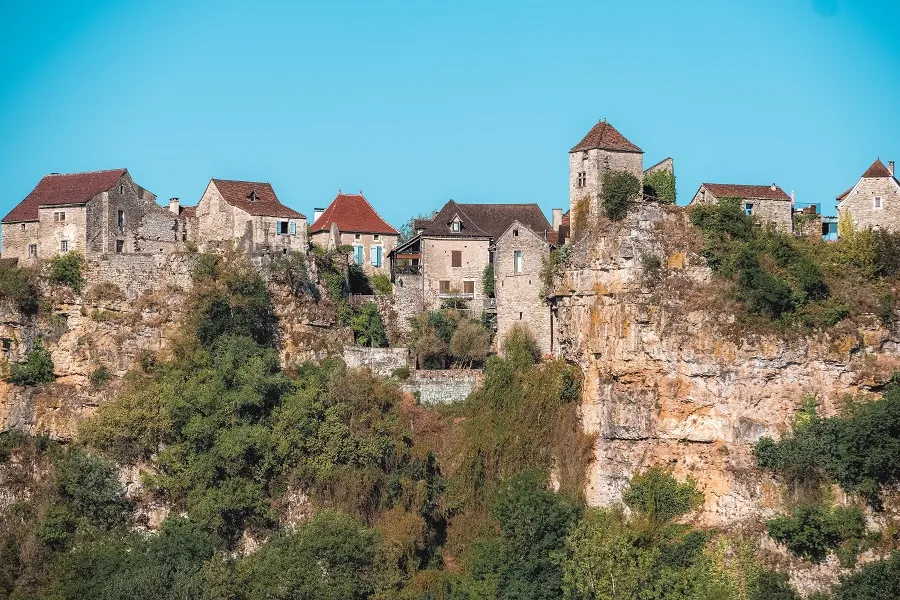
85 172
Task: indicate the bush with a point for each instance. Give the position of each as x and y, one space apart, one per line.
99 376
382 284
207 267
660 185
487 280
811 532
770 585
619 191
658 496
10 440
367 327
520 347
66 269
292 271
878 580
89 488
36 370
552 266
20 287
470 343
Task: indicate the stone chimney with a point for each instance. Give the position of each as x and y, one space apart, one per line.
891 167
556 220
174 205
774 187
317 212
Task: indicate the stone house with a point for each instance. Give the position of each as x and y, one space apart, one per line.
602 150
351 221
519 254
873 203
97 212
248 215
446 260
768 204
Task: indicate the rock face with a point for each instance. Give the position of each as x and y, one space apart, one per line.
670 378
132 307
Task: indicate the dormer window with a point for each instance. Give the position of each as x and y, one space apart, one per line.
456 226
251 196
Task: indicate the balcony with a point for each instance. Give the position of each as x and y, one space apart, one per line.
456 295
490 304
408 270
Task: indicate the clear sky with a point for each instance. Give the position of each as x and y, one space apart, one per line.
419 102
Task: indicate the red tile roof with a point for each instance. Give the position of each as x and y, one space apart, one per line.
753 192
265 204
604 136
354 214
846 193
877 170
187 212
63 190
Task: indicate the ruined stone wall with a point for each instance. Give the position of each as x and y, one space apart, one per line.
859 205
382 361
595 164
409 299
442 387
437 267
518 295
670 379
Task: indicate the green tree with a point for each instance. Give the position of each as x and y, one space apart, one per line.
660 185
656 495
470 342
66 269
367 327
619 191
878 580
19 286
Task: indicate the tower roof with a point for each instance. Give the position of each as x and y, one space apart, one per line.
604 136
877 170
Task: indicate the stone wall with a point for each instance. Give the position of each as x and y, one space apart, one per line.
766 212
409 299
518 295
595 164
859 205
442 387
667 164
367 241
136 274
16 239
437 267
382 361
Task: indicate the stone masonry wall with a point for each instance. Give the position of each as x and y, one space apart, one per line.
437 267
16 238
860 206
442 387
518 295
382 361
409 299
51 233
595 165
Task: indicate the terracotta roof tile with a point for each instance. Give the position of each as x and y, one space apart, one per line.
846 193
753 192
604 136
265 204
187 212
486 220
352 213
877 170
62 190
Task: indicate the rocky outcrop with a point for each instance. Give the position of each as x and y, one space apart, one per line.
672 379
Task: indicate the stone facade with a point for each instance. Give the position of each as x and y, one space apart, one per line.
220 223
775 210
371 262
666 164
587 168
437 266
518 290
873 203
72 231
442 387
409 298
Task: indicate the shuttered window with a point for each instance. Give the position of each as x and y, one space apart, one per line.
456 258
375 256
468 287
444 287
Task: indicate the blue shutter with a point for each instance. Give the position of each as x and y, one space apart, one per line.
277 227
379 256
292 228
358 258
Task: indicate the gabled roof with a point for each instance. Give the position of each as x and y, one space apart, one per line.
263 202
485 220
63 190
846 193
751 192
604 136
352 213
877 170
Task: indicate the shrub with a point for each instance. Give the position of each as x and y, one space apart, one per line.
292 271
878 580
552 265
723 221
36 370
487 280
99 376
762 292
811 532
207 267
619 191
660 185
771 585
382 284
520 347
367 327
10 440
470 342
89 488
18 285
66 269
658 496
401 373
885 309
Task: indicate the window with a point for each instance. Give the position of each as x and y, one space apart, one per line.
281 227
59 217
584 155
375 256
292 228
582 179
376 237
64 246
876 202
120 246
515 233
120 220
748 208
456 258
32 250
23 226
468 287
444 287
456 225
251 196
518 262
356 236
358 254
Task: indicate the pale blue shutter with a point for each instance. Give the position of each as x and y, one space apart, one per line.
277 227
359 255
292 228
378 264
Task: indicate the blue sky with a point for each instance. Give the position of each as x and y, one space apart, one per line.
419 102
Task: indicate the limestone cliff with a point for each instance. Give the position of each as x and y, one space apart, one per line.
672 379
